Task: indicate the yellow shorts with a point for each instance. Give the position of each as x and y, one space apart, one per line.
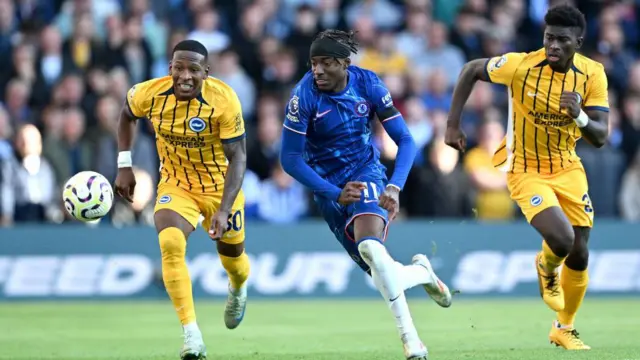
190 205
567 189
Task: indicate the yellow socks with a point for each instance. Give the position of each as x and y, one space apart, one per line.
550 261
175 273
238 269
574 284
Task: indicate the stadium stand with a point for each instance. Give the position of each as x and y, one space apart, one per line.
68 64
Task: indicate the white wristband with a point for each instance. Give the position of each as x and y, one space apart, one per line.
124 159
394 186
582 120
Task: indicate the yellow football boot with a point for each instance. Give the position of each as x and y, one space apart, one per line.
567 338
549 284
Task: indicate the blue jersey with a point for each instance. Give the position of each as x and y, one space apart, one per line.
335 146
338 126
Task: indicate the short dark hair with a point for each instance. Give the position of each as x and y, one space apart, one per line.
566 16
343 37
191 45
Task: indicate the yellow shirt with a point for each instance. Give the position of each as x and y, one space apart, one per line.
540 137
190 134
490 204
395 63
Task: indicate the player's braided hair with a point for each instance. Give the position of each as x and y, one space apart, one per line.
566 16
343 37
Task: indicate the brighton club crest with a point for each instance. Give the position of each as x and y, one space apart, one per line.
197 125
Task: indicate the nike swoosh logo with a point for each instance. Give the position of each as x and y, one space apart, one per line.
369 201
532 94
319 115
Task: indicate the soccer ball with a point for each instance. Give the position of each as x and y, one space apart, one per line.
87 196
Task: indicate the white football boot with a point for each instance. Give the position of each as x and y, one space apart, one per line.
436 289
414 349
193 348
235 308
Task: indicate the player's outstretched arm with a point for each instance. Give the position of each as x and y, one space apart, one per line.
125 181
126 129
471 72
398 131
234 147
293 164
236 153
395 126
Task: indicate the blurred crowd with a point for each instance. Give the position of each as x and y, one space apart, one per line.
67 64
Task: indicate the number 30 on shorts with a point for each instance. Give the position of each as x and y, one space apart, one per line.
234 221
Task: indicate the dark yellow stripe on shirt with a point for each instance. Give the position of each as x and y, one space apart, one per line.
200 150
546 129
558 129
186 150
524 126
535 127
213 154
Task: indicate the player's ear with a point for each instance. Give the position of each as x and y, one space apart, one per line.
346 63
579 42
169 67
206 71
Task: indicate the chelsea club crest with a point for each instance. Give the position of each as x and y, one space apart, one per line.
197 125
362 108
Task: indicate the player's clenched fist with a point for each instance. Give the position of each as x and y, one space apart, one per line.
218 224
351 192
572 102
456 138
125 183
390 201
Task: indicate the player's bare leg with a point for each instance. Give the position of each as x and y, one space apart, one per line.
558 236
236 262
173 231
368 231
573 279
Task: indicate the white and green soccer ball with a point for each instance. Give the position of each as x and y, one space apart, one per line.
87 196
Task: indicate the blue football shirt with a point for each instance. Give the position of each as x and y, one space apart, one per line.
338 126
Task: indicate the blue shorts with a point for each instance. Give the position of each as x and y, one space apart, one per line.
340 218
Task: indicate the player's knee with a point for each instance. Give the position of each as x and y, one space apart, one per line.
368 226
578 259
556 230
230 250
560 241
172 242
371 250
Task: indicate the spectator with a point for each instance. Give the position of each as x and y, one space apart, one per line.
28 182
629 196
492 199
282 199
207 31
384 57
263 154
228 69
440 52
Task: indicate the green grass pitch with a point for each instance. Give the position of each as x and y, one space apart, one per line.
313 329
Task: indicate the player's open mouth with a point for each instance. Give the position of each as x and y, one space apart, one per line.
321 81
553 57
185 87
